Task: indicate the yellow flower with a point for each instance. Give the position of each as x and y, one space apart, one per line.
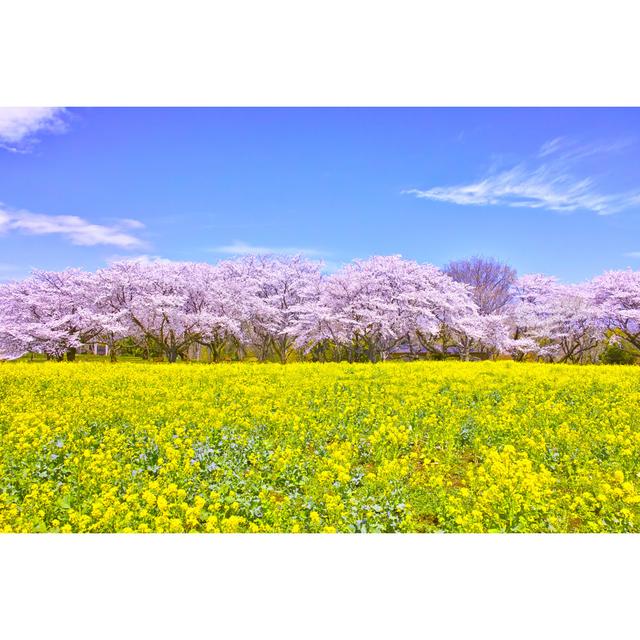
149 498
175 526
472 447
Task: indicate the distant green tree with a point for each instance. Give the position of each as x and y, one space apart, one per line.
615 354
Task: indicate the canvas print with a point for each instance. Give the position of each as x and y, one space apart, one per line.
319 320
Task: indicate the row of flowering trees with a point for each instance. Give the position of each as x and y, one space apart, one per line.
273 307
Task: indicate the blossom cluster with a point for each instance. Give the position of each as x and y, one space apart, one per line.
335 447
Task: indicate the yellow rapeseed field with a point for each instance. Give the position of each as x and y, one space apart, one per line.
425 446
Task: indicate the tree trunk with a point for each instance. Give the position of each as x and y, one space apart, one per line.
280 347
71 354
215 352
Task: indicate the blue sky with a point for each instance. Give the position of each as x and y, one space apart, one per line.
554 191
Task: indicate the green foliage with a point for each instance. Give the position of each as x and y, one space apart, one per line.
615 354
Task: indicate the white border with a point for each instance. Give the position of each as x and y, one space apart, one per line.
319 586
334 52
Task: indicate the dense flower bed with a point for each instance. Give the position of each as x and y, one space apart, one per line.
425 446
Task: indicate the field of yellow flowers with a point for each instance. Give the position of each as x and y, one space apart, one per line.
391 447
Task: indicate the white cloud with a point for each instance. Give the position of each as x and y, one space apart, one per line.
551 146
563 149
130 223
240 248
551 184
142 258
75 229
4 221
632 254
19 126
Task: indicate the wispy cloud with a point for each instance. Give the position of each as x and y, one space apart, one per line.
143 258
564 149
632 254
130 223
547 183
551 146
20 126
75 229
240 248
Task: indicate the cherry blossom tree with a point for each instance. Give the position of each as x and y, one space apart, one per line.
48 312
370 307
617 294
224 300
533 316
580 330
277 288
555 321
458 320
156 301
